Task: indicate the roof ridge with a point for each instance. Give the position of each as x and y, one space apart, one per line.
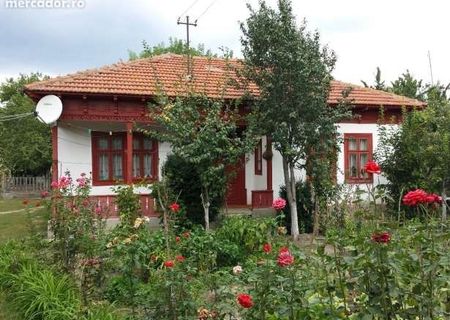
397 96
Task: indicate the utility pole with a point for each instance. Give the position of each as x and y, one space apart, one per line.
188 24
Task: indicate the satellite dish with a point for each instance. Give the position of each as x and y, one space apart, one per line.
49 109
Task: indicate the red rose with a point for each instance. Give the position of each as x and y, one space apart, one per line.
372 167
174 207
177 239
186 234
267 248
285 258
245 300
44 194
169 264
283 249
180 258
381 237
413 198
433 198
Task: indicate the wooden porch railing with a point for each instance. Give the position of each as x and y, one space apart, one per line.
262 199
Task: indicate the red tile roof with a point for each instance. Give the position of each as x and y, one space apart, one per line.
146 77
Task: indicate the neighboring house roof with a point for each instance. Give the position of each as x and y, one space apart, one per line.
212 76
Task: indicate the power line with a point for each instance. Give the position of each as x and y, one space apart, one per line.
188 8
16 116
206 10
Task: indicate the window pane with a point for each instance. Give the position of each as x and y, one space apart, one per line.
148 144
102 143
136 166
352 144
117 167
147 165
117 143
363 144
363 160
136 144
103 169
353 170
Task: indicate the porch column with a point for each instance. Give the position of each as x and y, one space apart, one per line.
129 154
269 162
54 153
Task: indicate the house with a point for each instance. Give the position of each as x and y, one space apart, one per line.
103 107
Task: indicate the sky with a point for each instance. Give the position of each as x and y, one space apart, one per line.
395 35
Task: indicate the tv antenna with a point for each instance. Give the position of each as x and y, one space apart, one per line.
188 24
431 69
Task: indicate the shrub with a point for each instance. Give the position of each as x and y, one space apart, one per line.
184 180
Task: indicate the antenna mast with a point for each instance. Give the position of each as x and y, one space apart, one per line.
431 69
188 24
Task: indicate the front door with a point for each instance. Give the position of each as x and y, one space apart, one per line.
237 194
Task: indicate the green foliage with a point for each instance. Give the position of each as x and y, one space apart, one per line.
205 133
292 71
246 232
406 85
379 84
36 291
418 154
184 182
176 46
25 144
128 205
77 224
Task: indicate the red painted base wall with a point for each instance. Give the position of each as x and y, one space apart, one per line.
109 206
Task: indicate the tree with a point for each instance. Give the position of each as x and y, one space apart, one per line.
417 155
25 144
205 133
379 84
406 85
292 71
176 46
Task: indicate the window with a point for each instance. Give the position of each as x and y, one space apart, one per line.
145 152
108 157
258 158
357 152
110 162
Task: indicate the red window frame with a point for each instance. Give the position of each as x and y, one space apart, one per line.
258 158
141 152
361 176
97 152
110 152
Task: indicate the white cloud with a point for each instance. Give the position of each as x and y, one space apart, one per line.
394 35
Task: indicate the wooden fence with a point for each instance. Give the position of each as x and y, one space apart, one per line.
24 184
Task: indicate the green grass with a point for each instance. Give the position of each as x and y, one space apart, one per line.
16 225
13 204
6 312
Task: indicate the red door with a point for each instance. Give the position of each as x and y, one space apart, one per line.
237 194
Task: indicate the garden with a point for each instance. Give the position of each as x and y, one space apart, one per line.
364 267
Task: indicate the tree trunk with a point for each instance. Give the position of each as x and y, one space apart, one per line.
289 180
316 216
205 202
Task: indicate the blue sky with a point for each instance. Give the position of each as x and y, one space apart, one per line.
395 35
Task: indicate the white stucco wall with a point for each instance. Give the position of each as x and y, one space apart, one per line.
278 178
75 156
